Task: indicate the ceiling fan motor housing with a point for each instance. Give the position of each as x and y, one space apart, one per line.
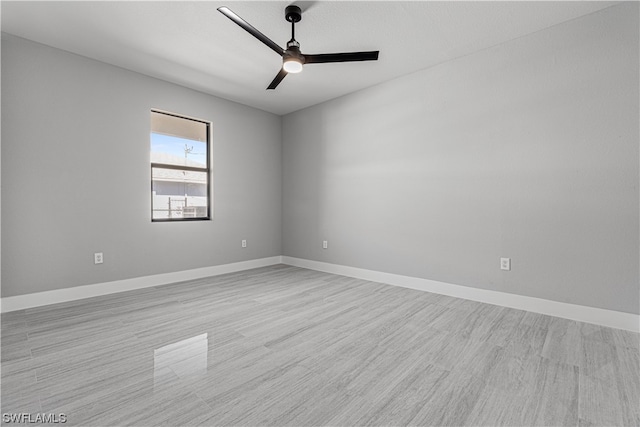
293 52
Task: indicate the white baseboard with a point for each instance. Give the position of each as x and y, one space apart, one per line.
599 316
21 302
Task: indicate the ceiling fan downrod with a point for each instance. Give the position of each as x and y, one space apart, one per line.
293 14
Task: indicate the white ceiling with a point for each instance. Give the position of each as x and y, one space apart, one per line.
192 44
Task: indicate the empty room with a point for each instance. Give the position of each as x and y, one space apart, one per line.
320 213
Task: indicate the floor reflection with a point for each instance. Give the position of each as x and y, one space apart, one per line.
186 358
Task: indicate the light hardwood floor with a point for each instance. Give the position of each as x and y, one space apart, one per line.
287 346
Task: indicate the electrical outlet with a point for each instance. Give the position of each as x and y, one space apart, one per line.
98 258
325 244
244 243
505 264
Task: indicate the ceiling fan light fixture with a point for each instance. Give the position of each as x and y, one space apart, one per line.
292 65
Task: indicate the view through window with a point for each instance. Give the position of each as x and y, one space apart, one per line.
180 168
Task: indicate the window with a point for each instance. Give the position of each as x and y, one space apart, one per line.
180 168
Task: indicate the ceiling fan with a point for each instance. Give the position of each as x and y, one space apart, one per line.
292 58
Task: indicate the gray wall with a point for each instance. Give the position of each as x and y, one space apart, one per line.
526 150
75 168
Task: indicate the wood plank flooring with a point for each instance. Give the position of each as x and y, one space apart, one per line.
285 346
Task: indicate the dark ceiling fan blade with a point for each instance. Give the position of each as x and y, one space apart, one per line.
276 81
251 29
341 57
